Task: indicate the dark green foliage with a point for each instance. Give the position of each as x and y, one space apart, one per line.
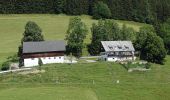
5 66
101 10
147 11
99 33
75 36
164 32
13 58
150 45
40 63
148 65
32 33
76 7
59 6
108 30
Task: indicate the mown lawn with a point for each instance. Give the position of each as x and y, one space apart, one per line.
54 28
95 81
48 93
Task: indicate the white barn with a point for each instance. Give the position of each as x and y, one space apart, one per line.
48 51
117 51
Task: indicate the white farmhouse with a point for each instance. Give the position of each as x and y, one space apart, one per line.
117 51
48 51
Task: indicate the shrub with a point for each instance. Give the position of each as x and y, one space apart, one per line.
40 63
148 65
13 58
5 66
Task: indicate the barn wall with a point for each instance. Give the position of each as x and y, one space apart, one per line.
31 62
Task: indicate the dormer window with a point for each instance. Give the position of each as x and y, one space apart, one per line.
126 47
110 47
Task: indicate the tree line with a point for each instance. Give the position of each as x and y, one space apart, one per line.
148 11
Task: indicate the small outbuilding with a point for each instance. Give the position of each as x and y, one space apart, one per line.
46 51
117 51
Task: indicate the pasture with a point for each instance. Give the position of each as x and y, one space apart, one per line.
93 81
54 27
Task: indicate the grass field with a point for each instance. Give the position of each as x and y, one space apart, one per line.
54 27
49 93
95 81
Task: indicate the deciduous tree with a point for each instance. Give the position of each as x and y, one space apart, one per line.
150 45
32 33
75 36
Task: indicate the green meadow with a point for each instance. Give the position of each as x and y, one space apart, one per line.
93 81
54 27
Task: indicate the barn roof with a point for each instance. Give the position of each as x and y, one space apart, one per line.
117 46
44 46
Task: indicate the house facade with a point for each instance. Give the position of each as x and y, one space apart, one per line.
117 51
47 51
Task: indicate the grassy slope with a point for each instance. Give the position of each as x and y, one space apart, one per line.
48 93
95 81
54 27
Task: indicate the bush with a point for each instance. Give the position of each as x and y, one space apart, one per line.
148 65
101 10
13 58
5 66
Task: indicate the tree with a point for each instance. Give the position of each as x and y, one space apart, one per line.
128 34
99 33
108 30
150 45
59 6
101 10
32 33
75 36
165 34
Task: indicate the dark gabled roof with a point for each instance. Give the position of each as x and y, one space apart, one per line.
44 46
117 46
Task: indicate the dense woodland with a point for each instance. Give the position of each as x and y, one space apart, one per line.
148 11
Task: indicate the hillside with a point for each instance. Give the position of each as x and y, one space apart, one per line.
54 27
94 81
